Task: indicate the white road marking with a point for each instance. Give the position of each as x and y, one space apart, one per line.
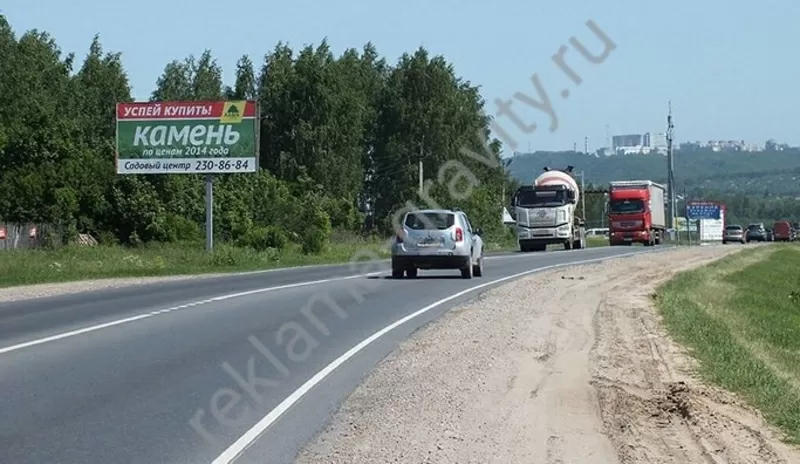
241 444
139 317
229 296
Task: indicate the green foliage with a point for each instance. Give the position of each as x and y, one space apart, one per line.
180 229
265 238
316 227
341 141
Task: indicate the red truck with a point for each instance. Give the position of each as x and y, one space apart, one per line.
636 212
782 231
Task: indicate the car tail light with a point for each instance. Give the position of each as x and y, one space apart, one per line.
400 236
459 235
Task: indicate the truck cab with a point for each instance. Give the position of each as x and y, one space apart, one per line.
545 215
636 213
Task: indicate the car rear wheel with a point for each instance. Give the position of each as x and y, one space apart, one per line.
477 270
411 273
466 272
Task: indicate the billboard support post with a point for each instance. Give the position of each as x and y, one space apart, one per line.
209 212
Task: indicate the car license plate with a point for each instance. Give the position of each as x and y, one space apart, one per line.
428 242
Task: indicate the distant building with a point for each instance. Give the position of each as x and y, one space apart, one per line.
723 146
658 141
626 141
639 143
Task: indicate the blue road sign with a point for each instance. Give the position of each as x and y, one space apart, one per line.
695 211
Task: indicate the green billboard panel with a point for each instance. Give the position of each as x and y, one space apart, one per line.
214 137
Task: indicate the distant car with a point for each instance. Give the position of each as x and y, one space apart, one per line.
437 239
756 232
733 233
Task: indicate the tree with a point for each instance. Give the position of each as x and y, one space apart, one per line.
341 141
697 170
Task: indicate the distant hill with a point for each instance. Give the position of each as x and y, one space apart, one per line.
775 173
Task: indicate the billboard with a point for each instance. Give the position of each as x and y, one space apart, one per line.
703 210
683 225
712 229
189 137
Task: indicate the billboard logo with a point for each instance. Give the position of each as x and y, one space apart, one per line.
233 112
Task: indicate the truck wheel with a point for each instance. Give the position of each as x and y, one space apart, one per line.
568 245
397 273
411 273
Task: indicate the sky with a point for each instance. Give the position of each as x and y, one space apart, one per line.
729 67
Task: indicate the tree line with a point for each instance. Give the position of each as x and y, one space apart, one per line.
342 139
702 171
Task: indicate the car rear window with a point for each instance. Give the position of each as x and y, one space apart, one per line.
423 221
733 228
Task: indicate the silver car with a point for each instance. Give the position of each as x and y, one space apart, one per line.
437 239
733 233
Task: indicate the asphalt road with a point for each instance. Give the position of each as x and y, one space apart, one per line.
201 371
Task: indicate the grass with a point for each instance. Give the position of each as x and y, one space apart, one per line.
73 263
594 242
741 320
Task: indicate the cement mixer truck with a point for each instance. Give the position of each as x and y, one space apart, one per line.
545 212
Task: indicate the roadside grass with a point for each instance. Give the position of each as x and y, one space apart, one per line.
594 242
74 263
740 320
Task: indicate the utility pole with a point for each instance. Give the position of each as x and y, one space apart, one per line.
421 177
670 170
583 198
686 215
209 213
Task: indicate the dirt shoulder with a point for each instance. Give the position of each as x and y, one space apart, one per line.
568 366
29 292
